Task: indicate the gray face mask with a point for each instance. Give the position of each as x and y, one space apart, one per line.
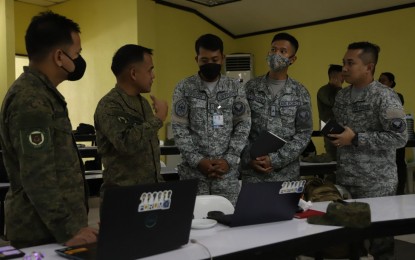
277 62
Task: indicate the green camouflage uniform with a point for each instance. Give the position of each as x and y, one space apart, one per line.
126 130
197 138
369 169
46 199
288 115
326 96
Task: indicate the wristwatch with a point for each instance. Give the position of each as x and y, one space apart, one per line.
355 140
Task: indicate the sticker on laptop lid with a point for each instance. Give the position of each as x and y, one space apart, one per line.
292 187
157 200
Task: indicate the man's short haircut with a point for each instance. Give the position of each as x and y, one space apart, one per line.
126 55
46 31
287 37
209 42
370 51
334 68
390 77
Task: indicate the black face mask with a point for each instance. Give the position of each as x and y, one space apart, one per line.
80 67
210 70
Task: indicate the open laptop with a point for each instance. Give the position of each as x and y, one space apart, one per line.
264 202
142 220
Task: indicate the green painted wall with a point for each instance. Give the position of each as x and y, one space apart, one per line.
106 25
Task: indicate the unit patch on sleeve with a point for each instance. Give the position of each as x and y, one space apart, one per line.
397 125
34 139
181 108
303 114
238 108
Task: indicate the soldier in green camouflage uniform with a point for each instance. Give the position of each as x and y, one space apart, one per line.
211 122
282 106
325 101
375 127
126 127
46 199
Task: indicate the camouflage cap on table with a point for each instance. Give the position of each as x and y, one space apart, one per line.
352 214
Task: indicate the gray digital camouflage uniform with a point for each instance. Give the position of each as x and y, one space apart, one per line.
46 199
196 138
288 115
369 169
127 139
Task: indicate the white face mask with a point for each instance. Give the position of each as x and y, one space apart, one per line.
277 62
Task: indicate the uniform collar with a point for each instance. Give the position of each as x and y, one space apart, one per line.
263 86
45 80
130 101
365 92
220 87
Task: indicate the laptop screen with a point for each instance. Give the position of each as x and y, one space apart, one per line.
143 220
267 202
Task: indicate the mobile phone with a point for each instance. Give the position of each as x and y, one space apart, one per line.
10 252
332 127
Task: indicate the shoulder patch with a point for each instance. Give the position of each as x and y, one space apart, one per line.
397 125
238 108
35 140
181 108
303 114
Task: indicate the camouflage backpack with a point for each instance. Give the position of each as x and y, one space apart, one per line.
317 190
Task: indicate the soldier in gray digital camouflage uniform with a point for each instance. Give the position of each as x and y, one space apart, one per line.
211 122
282 106
125 124
375 127
46 200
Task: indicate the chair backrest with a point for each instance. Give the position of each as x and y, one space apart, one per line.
206 203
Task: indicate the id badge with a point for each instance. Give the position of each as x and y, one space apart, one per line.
273 112
217 121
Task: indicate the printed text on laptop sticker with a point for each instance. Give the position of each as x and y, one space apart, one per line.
157 200
292 187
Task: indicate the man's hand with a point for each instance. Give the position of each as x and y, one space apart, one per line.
220 166
86 235
213 168
160 108
205 166
344 138
261 164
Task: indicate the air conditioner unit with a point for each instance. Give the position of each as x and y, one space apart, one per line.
240 66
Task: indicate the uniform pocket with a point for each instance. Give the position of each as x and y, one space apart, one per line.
198 111
258 114
288 114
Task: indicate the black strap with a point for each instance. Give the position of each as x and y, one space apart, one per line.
81 164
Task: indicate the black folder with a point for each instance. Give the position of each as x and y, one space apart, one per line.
266 143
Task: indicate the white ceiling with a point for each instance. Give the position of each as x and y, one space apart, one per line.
249 17
44 3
